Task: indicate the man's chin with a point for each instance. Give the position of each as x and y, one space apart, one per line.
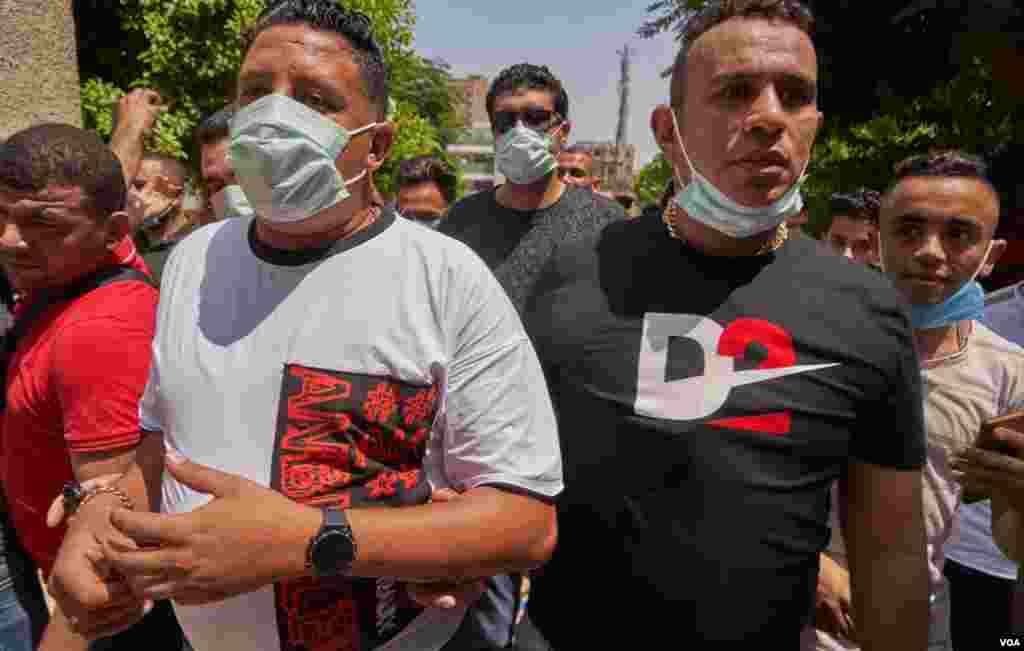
923 296
759 193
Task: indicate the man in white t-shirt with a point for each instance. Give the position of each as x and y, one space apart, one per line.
981 577
936 230
328 360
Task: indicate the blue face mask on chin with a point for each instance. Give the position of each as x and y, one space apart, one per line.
966 304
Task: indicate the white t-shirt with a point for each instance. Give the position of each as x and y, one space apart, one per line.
972 545
349 377
982 381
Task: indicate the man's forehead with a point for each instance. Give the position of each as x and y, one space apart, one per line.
748 45
302 38
300 47
943 198
149 168
848 224
574 158
523 97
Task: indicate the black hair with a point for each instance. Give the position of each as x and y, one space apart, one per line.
943 163
331 16
214 128
862 204
526 76
427 169
60 154
577 148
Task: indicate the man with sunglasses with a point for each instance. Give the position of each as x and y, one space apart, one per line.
516 227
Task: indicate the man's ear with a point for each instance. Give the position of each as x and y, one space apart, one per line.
996 252
565 130
380 148
119 225
663 129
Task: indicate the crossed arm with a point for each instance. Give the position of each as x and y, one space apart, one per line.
219 550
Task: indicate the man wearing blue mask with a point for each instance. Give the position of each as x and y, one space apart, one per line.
714 374
936 233
322 372
517 226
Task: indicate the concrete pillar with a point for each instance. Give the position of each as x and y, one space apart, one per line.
38 65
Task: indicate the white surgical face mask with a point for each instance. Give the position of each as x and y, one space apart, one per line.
231 202
283 155
524 155
705 203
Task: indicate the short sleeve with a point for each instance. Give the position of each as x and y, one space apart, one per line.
101 366
149 406
890 418
499 425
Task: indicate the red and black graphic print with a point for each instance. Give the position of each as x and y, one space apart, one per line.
348 440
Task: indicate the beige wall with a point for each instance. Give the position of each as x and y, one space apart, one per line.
38 64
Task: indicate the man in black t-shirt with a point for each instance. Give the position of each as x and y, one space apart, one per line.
714 375
518 226
516 229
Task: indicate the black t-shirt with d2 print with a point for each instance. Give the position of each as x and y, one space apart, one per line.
705 407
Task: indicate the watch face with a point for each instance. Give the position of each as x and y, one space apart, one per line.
332 552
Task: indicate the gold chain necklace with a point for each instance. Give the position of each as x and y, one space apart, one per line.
672 211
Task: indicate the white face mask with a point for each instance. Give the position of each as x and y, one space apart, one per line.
524 155
283 154
231 202
705 203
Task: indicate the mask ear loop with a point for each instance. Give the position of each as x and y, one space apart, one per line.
352 134
984 260
682 148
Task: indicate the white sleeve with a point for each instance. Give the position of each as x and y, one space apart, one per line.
149 405
499 424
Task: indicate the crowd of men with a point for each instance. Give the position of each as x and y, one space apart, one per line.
254 406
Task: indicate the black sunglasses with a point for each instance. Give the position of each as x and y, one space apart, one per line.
533 118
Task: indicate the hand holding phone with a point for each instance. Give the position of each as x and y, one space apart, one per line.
990 441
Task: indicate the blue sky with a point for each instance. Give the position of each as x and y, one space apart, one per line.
577 39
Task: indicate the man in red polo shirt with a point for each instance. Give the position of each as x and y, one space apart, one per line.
78 368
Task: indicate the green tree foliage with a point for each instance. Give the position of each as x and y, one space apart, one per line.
190 51
652 179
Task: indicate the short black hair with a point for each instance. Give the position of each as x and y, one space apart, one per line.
214 128
577 148
427 169
526 76
60 154
716 12
331 16
861 204
943 163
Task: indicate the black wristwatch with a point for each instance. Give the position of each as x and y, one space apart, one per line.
332 550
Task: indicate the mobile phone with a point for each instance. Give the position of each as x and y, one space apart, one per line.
987 441
986 438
